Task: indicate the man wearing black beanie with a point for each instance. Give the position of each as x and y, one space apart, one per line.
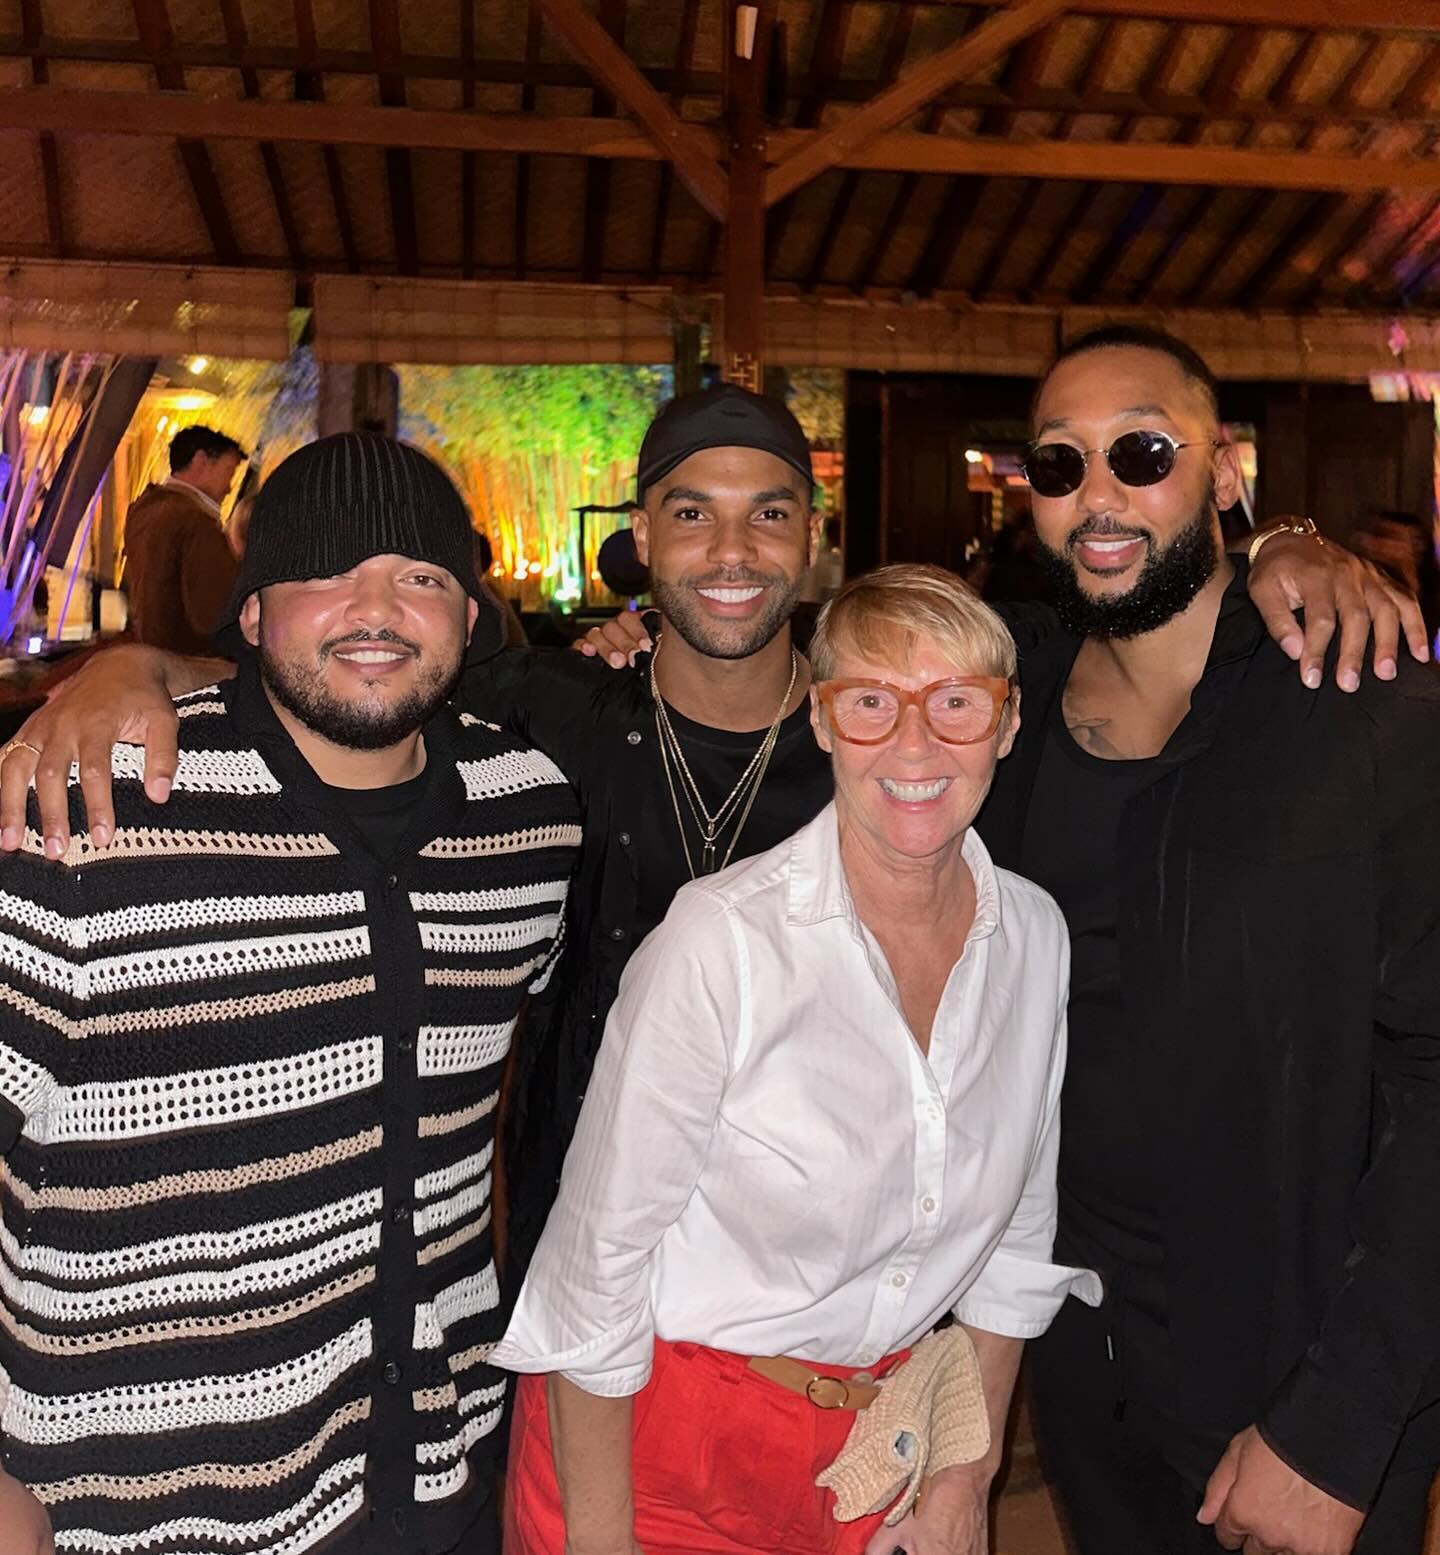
250 1060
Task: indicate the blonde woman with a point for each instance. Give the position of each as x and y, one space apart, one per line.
823 1118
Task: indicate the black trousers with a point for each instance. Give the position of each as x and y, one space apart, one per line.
1132 1485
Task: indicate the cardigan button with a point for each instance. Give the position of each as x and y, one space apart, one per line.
624 839
633 737
391 1372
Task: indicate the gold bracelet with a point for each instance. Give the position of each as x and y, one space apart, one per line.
1284 526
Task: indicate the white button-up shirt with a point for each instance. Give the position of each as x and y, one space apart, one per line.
767 1163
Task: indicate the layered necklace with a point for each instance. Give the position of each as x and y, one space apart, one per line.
681 781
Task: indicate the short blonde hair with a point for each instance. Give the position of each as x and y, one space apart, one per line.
884 616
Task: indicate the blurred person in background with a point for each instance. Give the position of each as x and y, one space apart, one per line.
179 564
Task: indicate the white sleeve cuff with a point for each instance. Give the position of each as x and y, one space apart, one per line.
1019 1297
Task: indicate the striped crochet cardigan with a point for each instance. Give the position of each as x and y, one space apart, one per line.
248 1082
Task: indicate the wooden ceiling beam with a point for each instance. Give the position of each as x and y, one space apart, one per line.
1004 245
917 87
33 22
929 272
684 60
66 111
597 173
826 57
897 42
1152 100
237 36
533 30
1403 16
1316 214
152 21
310 88
399 174
468 194
586 38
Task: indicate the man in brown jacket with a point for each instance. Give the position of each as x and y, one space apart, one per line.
179 567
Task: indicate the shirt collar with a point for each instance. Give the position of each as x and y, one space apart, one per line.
818 889
208 503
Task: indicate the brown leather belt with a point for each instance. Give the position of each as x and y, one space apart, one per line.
857 1392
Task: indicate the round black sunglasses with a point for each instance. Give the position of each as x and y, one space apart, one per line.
1135 459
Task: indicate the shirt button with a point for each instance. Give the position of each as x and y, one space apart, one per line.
624 839
633 737
899 1281
617 933
391 1372
928 1204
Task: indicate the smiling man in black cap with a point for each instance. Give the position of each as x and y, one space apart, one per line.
250 1061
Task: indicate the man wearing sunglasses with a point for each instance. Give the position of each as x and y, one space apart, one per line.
1251 1144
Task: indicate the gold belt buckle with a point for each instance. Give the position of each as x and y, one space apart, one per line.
827 1392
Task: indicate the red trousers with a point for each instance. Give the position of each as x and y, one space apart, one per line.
724 1463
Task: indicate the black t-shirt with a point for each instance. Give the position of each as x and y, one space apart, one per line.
796 787
1071 847
381 815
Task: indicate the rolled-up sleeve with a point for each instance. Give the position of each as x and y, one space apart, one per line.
644 1132
1019 1290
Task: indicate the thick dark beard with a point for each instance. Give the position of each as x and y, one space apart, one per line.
676 601
351 725
1168 582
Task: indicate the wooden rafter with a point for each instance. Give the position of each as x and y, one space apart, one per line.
593 46
826 58
310 88
1151 100
917 87
468 212
399 174
152 21
897 44
32 20
533 28
1403 16
684 58
1019 79
237 36
1110 260
930 269
597 174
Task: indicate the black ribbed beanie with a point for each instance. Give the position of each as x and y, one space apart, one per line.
339 501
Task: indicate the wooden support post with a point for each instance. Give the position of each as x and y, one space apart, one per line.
746 44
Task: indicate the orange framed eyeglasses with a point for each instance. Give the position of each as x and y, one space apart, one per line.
960 711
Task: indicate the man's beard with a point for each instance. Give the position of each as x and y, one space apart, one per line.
367 724
676 601
1169 580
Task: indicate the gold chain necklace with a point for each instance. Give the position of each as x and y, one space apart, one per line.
672 759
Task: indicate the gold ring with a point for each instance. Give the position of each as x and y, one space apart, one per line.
20 745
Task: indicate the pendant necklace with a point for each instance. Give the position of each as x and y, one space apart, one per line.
681 781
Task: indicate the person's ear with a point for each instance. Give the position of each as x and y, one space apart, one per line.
817 524
472 614
640 526
250 619
1229 482
1009 725
823 737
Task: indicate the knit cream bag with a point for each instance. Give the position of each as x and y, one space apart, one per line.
930 1415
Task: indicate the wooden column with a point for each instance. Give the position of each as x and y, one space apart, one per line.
747 41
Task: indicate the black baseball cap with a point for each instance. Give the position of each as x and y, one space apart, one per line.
723 417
